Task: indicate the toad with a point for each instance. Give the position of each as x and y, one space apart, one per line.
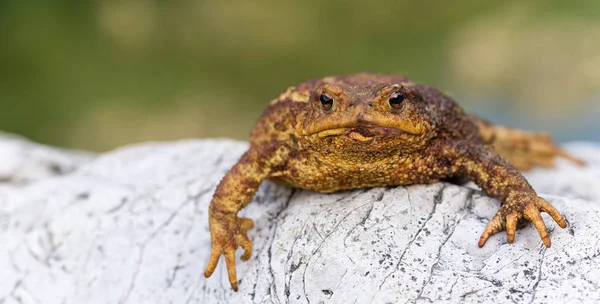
368 130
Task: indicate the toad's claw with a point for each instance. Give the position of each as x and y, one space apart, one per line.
509 215
225 241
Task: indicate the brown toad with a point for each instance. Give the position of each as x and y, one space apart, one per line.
367 130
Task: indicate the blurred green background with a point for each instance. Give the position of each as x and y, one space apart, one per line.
99 74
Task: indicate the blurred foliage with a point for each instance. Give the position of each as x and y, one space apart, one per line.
99 74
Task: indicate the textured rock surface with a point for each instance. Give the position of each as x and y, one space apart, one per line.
131 226
22 161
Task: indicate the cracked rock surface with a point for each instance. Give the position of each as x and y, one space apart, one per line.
22 161
131 226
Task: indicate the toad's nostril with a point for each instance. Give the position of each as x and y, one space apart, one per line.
370 104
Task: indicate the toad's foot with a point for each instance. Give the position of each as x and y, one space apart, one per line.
526 150
520 208
227 234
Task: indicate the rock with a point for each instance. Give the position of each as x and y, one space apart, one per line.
22 161
130 226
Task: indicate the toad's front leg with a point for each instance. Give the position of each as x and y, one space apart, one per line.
502 180
235 191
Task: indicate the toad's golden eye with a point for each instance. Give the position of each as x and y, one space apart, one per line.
326 102
396 100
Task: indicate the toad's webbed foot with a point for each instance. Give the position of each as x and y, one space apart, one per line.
522 208
523 149
227 234
526 150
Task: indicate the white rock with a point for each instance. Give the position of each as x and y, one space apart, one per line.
22 161
131 226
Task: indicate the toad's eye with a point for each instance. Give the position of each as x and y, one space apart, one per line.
326 101
396 100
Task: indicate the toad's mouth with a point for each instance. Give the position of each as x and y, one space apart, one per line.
361 132
364 127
